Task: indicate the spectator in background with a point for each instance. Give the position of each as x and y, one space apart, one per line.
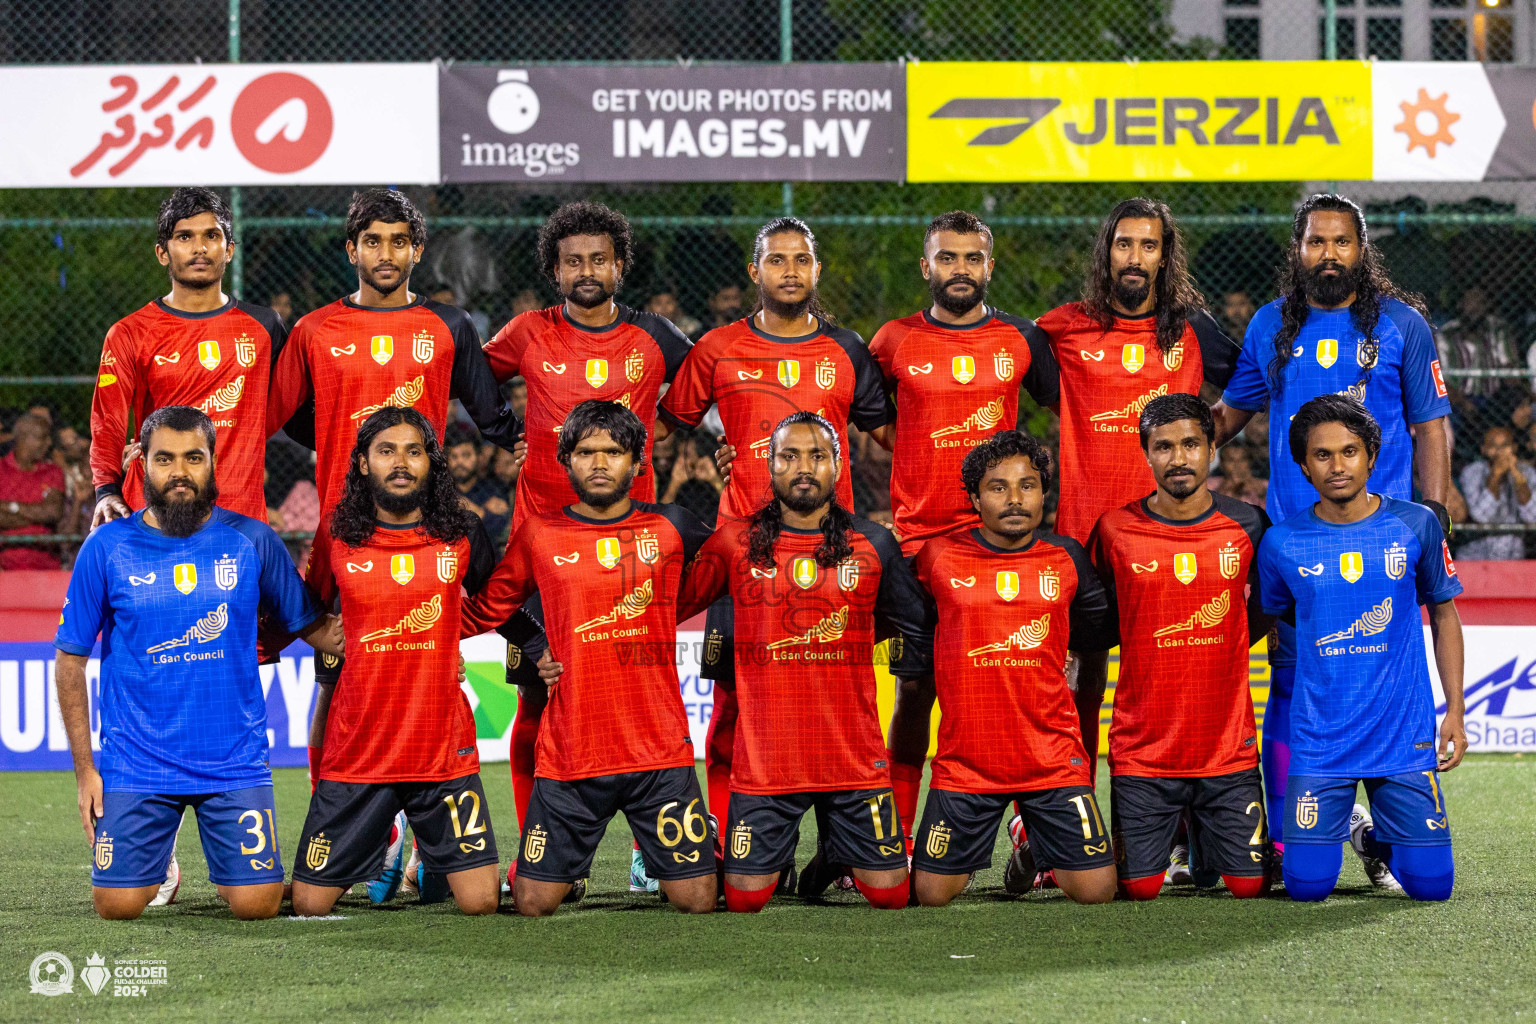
1237 308
694 482
8 418
281 303
1498 489
525 300
447 296
724 308
516 393
665 304
504 471
71 454
478 493
1478 339
31 494
1237 479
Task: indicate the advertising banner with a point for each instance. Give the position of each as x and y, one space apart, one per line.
218 124
749 122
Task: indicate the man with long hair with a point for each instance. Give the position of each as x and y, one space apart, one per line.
615 732
1342 327
401 735
815 587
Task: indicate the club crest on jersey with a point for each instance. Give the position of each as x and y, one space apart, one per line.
447 566
597 372
608 552
1007 585
1351 565
382 347
402 568
848 574
634 367
1174 357
533 846
318 852
789 372
741 841
1396 561
514 656
712 645
803 572
1327 352
185 577
1229 560
826 374
1002 365
962 368
224 576
938 841
104 853
647 547
1185 567
422 346
1050 583
1306 810
1133 357
1365 355
245 351
208 354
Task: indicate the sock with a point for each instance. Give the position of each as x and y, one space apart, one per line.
1145 888
1246 887
525 737
1425 872
746 901
637 844
906 781
314 766
1312 870
1276 751
892 897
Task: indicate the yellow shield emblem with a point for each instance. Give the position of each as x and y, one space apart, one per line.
185 576
421 347
1002 365
533 846
382 347
208 354
1397 561
402 568
1174 357
1050 584
647 547
104 853
318 852
741 841
1133 357
1351 565
608 552
1007 585
938 841
597 372
826 374
962 368
1327 352
634 367
847 574
803 571
789 372
447 566
245 351
1306 810
1229 560
1185 567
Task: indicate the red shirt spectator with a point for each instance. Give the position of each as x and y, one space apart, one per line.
31 495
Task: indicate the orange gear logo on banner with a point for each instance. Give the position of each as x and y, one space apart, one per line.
1412 120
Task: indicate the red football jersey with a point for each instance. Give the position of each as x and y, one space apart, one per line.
610 612
1107 379
564 364
954 387
398 713
1006 620
1181 591
805 637
354 360
219 362
757 379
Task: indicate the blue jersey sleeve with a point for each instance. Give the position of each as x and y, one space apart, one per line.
282 591
1424 394
1435 574
1274 590
85 604
1247 389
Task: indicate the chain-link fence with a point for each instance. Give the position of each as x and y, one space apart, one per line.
75 261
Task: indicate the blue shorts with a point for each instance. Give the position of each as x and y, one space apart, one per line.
137 833
1409 809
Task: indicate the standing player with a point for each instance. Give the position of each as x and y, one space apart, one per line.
615 734
1140 331
196 346
174 591
814 588
1183 739
954 370
786 357
400 736
1341 327
1009 602
588 347
1350 573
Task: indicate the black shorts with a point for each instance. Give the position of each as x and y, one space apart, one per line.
858 827
717 660
959 830
347 828
1226 822
526 643
666 812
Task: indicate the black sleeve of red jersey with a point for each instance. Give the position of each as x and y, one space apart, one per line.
1092 622
871 406
689 527
473 383
482 559
301 425
1218 353
1254 521
901 605
674 344
1043 378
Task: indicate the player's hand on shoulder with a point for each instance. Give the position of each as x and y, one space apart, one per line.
109 508
1453 734
132 452
463 669
519 455
724 456
550 670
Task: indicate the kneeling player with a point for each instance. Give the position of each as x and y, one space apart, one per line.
812 584
614 736
1351 571
400 735
1178 564
176 589
1009 602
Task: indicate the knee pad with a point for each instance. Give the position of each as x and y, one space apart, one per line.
1245 887
892 897
1425 872
1144 888
1312 870
746 901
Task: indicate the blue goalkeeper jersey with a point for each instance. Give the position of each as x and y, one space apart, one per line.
1363 706
182 708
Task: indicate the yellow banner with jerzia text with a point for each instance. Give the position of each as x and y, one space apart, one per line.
1162 121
